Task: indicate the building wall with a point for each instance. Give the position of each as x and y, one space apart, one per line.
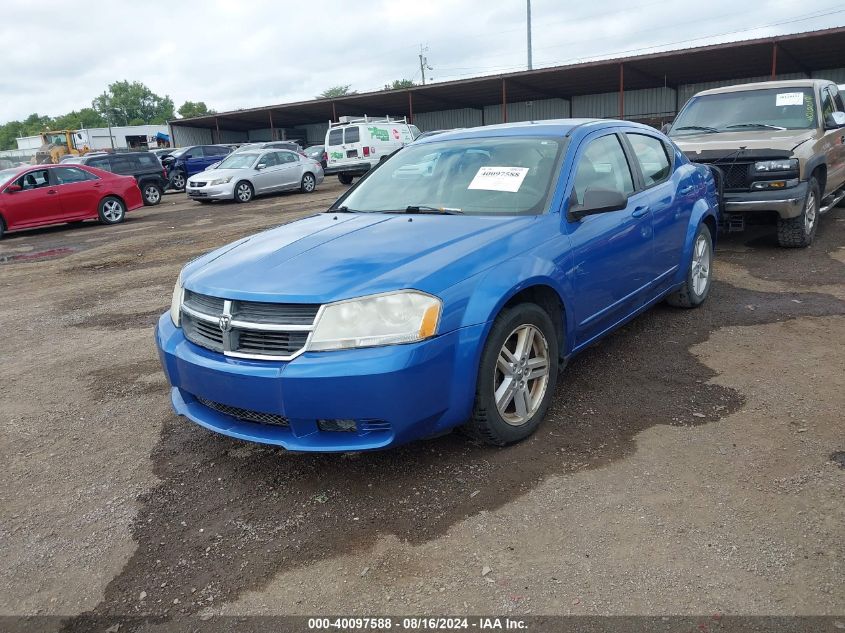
184 136
648 103
233 136
538 110
448 119
315 132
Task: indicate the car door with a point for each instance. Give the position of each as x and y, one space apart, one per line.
670 199
80 192
267 177
290 168
195 160
36 203
612 251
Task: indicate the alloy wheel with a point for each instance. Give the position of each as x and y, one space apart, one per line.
700 266
810 213
521 376
151 194
308 183
179 181
244 192
112 210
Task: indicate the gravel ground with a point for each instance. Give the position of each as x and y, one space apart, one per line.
688 463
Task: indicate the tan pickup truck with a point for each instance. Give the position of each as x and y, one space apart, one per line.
779 147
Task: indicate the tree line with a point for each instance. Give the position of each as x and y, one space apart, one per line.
123 103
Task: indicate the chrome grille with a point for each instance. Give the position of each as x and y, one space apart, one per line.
248 329
249 415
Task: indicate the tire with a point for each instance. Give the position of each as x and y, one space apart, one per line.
799 232
179 180
346 179
308 184
111 210
151 193
2 228
517 414
244 191
699 274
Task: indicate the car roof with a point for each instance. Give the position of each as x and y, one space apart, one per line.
764 85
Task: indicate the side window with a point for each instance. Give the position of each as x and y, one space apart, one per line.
216 150
67 175
34 179
100 163
195 152
269 159
353 135
122 164
147 161
287 157
336 136
837 98
603 166
828 107
651 155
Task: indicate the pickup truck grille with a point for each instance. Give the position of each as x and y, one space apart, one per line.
247 329
737 174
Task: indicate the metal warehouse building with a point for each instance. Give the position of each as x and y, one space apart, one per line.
648 88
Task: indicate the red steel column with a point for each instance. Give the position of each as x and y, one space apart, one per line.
272 128
334 113
217 125
410 107
621 91
774 60
504 102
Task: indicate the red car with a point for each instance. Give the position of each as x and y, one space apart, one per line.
37 195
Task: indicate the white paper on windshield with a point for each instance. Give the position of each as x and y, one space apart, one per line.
499 178
789 98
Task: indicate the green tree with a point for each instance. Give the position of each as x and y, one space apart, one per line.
8 133
336 91
73 120
190 109
399 84
133 103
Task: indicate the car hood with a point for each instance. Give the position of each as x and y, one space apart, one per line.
214 174
785 140
329 257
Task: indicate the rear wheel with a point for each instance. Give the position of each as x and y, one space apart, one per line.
112 210
516 376
243 191
346 179
697 284
798 232
309 183
2 228
179 180
152 194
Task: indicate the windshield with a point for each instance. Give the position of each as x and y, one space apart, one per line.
772 108
248 147
7 174
239 160
502 176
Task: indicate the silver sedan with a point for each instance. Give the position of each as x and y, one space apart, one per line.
244 175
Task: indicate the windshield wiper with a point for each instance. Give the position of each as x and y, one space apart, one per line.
701 128
766 126
424 208
343 209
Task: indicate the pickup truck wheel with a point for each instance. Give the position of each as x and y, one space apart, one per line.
799 232
697 284
152 194
179 181
308 184
346 179
111 210
516 376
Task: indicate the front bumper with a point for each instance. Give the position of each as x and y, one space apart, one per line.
787 203
395 393
209 192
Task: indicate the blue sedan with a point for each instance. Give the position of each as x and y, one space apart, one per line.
444 290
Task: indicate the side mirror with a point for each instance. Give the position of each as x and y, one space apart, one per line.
835 120
665 128
13 188
599 201
260 166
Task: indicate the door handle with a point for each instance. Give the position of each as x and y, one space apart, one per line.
640 211
52 192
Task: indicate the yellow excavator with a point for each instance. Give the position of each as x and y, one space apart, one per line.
55 144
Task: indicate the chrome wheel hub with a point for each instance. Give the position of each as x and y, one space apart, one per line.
112 210
152 194
700 265
810 213
521 376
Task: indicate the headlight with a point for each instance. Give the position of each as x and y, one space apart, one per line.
220 181
398 317
176 302
786 164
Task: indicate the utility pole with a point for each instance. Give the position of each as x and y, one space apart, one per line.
529 34
424 62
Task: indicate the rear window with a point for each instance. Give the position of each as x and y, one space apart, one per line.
353 135
336 136
148 160
67 175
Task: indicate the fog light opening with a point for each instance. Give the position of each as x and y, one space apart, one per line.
343 426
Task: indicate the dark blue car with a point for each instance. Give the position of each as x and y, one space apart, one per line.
187 161
445 289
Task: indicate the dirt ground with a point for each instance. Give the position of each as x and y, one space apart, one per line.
688 463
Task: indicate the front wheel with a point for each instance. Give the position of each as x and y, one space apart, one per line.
112 210
516 376
798 232
308 184
697 284
179 181
243 191
152 194
346 179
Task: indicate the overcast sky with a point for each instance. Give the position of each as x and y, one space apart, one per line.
59 55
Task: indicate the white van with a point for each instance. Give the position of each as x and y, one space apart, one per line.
356 144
